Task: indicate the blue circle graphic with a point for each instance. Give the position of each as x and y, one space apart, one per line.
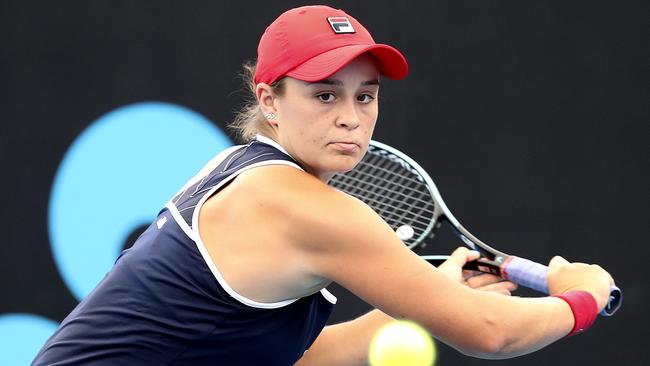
22 336
115 177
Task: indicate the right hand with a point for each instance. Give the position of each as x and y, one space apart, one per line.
564 277
453 268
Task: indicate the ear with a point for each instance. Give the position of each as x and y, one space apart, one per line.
266 99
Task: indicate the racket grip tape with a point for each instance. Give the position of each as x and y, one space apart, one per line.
535 276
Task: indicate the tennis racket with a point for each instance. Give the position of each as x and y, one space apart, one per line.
404 195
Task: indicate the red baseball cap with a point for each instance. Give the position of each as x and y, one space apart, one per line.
311 43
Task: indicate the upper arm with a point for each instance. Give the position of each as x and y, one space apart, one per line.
345 241
339 238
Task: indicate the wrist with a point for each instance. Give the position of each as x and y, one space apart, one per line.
584 308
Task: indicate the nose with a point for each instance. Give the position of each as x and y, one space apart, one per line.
348 116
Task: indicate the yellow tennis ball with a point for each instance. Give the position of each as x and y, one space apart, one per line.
402 343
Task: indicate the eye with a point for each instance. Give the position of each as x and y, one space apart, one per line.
365 98
326 97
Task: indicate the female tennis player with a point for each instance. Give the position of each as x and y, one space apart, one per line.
234 270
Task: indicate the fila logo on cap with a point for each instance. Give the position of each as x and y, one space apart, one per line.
341 25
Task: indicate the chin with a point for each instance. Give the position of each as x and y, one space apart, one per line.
345 163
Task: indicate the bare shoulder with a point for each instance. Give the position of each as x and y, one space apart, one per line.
313 211
334 231
298 195
256 222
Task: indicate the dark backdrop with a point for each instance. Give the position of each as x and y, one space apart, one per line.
532 117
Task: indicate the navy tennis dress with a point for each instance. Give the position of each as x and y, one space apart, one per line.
164 302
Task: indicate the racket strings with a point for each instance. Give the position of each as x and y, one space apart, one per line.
385 199
396 193
379 204
364 178
406 191
374 162
416 185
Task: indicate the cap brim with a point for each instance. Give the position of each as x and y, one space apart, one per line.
392 63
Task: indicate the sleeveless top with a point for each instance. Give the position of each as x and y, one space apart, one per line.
164 302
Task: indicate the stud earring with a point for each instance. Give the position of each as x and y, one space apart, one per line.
269 115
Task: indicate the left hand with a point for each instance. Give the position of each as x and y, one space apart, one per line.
453 268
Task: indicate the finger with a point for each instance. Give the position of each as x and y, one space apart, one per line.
473 255
459 256
462 255
483 280
500 291
557 261
611 279
489 279
505 287
468 273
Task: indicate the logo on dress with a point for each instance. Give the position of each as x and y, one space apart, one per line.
341 25
161 222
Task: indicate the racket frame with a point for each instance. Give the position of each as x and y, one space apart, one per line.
491 260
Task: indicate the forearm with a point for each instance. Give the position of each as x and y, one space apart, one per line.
505 327
345 343
535 325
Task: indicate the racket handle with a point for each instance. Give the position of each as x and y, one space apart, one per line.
535 276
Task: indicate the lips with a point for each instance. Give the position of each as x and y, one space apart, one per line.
347 146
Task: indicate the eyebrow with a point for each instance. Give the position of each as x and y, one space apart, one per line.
339 82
